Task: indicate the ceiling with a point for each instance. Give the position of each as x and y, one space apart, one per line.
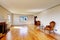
28 6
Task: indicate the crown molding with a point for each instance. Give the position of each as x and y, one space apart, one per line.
50 8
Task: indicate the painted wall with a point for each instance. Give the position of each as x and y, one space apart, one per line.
16 19
52 14
4 15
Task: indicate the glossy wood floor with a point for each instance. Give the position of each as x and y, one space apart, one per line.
26 33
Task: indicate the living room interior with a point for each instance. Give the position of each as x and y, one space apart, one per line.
29 19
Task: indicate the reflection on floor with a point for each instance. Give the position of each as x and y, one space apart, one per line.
26 33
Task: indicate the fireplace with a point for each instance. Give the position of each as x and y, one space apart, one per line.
3 27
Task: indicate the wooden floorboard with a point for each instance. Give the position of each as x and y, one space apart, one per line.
26 33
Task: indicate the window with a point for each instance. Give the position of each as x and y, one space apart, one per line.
9 18
23 18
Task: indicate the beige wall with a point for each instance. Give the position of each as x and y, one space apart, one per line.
4 15
16 19
52 14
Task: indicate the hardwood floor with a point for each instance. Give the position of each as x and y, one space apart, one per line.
26 33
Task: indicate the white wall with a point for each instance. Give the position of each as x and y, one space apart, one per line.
16 19
51 15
